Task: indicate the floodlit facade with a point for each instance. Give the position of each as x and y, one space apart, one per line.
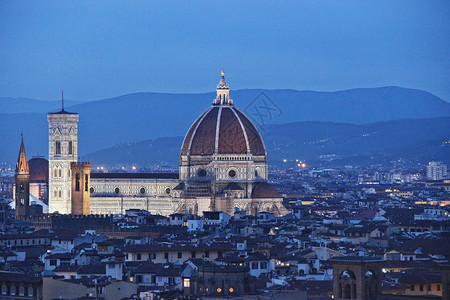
62 151
223 166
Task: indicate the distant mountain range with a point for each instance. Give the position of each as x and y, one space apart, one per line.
27 105
147 116
330 143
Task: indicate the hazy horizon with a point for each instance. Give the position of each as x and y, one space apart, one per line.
207 92
102 49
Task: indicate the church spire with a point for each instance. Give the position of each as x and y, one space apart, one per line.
22 162
223 92
62 100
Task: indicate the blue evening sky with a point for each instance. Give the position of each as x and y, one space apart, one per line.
99 49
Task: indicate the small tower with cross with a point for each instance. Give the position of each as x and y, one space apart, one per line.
22 180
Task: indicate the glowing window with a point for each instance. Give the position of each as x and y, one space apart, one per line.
186 282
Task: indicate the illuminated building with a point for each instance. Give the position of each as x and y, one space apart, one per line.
223 166
436 170
62 151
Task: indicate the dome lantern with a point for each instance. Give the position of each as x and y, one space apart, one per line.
223 92
223 130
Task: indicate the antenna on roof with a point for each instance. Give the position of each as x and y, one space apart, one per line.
62 99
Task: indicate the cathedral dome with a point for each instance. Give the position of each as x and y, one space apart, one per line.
264 190
222 129
38 169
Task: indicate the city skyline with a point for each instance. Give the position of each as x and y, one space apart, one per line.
224 150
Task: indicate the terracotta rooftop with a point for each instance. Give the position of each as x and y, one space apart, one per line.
222 130
264 190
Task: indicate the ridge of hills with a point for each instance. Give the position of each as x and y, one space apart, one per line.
319 142
141 116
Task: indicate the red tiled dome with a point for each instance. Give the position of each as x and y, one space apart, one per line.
222 129
38 169
264 190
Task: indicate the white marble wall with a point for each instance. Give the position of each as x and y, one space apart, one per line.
62 128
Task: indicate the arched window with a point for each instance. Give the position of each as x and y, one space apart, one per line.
57 147
77 182
86 182
60 173
70 147
30 291
347 291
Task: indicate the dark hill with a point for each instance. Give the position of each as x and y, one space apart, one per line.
142 116
327 142
21 105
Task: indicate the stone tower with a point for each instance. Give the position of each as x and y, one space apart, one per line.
445 269
356 277
81 176
62 151
22 178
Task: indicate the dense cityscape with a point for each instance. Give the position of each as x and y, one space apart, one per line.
247 150
347 233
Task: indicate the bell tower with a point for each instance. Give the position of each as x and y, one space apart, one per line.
62 151
81 173
22 179
356 277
